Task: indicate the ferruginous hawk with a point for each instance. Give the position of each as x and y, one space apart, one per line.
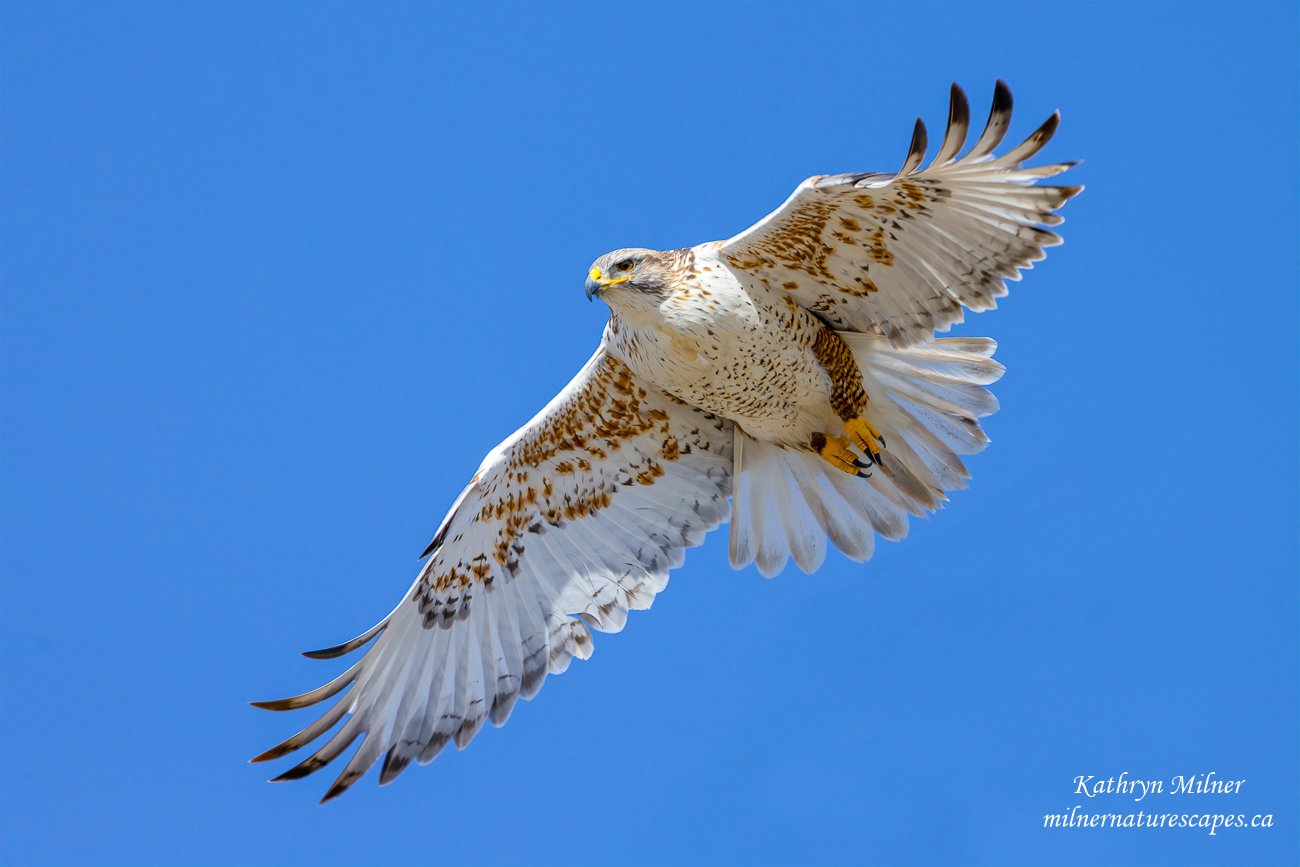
792 369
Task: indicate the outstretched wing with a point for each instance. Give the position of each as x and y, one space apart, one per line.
572 521
901 254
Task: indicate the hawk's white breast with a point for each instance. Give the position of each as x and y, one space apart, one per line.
741 351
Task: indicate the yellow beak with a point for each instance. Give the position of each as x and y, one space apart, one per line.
596 281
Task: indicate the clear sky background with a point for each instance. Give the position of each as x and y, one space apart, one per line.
275 277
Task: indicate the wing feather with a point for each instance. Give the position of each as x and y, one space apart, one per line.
901 255
958 124
998 123
574 520
915 150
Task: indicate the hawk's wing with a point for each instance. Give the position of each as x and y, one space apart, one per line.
571 522
901 255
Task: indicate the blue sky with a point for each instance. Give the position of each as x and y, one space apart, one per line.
275 277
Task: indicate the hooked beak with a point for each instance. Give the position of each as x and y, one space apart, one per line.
597 282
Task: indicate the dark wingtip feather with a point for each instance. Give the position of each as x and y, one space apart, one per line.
297 772
277 704
958 106
915 150
347 646
326 722
317 760
326 653
958 123
334 687
1001 96
273 753
393 766
1048 129
341 785
996 127
1034 142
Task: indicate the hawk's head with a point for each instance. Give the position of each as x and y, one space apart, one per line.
629 277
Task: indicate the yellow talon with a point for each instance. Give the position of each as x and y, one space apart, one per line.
865 435
838 451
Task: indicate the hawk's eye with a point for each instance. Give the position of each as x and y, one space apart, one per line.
625 265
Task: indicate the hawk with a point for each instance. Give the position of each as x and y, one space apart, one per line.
788 378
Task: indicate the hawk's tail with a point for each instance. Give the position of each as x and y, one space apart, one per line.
925 400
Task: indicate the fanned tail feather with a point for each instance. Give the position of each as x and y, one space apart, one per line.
926 400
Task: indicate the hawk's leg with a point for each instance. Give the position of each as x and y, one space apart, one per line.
838 452
849 401
867 438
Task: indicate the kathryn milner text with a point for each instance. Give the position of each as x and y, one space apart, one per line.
1205 783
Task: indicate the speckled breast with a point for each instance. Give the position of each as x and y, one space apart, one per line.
749 360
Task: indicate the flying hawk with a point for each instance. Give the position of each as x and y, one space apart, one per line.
792 369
